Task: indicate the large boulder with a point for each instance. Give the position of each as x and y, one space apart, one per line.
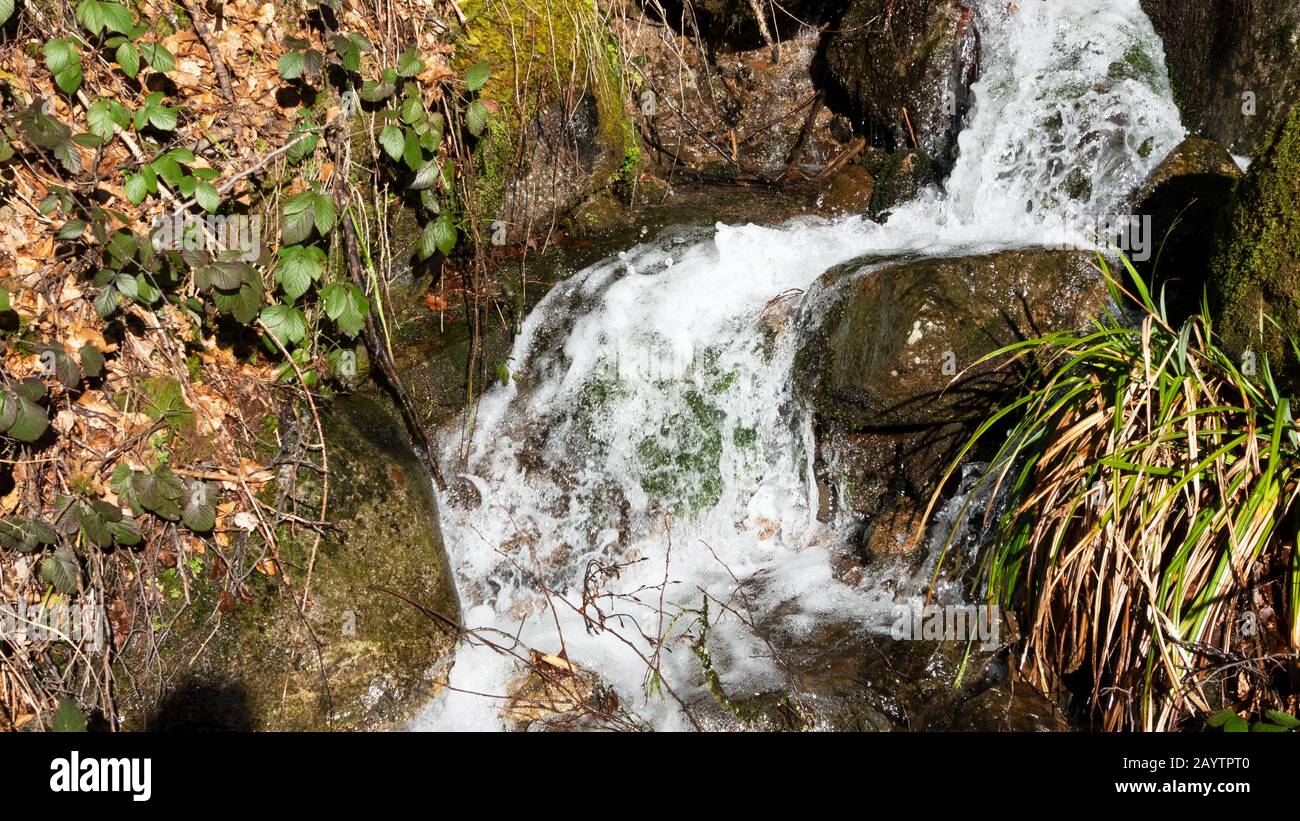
1232 65
904 69
890 366
1185 197
891 336
1255 271
365 652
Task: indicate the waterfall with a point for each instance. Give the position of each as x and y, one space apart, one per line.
647 454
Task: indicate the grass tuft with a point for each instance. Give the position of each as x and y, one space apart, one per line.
1146 532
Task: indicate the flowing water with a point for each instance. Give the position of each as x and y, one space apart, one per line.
648 453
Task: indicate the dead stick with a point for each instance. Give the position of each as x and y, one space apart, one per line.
218 65
380 351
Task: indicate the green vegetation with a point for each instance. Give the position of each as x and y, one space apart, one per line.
1151 482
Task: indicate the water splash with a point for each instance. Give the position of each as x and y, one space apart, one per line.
648 453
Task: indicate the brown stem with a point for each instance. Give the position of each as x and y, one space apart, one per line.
218 65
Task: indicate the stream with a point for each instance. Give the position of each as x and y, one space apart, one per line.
649 456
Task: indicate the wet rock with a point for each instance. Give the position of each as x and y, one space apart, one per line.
1184 196
1219 51
901 177
849 191
853 680
365 658
1256 265
890 368
905 69
892 337
732 113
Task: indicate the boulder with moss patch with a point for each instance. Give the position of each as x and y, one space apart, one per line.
1232 65
367 650
561 128
891 367
1255 272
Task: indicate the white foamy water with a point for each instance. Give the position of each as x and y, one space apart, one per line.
649 451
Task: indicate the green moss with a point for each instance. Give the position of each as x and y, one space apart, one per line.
1255 271
681 463
537 49
1136 64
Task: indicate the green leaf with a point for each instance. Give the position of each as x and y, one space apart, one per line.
477 76
243 304
292 65
95 529
476 118
298 268
207 197
25 535
98 15
199 507
106 302
100 118
1266 727
137 188
128 57
324 213
30 419
427 176
393 141
226 275
1283 719
298 218
6 11
444 233
409 63
1236 724
69 79
72 229
62 570
159 492
169 169
286 323
117 18
59 54
125 532
1220 718
56 362
347 306
92 361
158 57
68 718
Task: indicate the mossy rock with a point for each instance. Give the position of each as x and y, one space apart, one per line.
894 336
902 176
1185 197
562 129
1218 51
370 659
1255 272
891 369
